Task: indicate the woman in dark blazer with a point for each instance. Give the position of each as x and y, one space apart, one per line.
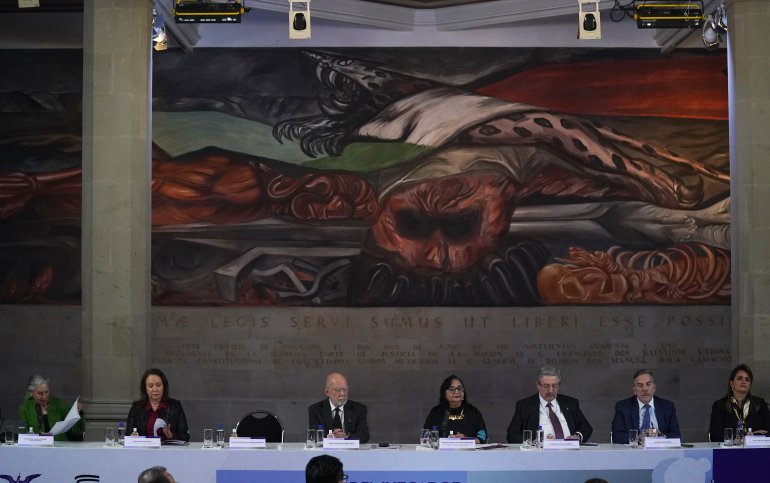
739 406
454 413
153 404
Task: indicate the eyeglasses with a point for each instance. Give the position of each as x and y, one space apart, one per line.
338 390
548 387
455 389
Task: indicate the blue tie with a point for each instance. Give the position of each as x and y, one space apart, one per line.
646 417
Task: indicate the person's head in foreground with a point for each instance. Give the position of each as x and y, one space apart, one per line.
156 474
324 469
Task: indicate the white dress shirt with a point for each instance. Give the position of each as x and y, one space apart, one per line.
342 413
545 419
653 419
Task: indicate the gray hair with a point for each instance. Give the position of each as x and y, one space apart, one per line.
548 371
156 474
36 380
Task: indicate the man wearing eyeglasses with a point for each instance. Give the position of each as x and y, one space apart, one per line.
560 416
343 417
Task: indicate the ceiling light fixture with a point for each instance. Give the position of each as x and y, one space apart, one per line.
589 20
299 19
714 27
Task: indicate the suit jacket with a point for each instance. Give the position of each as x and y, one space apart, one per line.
627 417
722 417
355 424
173 415
57 411
527 416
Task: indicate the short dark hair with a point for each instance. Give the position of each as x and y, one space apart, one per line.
156 474
143 385
640 372
445 385
323 469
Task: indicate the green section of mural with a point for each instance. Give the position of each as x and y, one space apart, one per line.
178 133
368 157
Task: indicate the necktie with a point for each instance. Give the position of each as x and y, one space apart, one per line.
557 431
646 418
337 421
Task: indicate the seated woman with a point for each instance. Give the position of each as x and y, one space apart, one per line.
739 406
454 416
40 410
154 404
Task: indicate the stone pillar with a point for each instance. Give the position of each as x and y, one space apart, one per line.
116 205
749 91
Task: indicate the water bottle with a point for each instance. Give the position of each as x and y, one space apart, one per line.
319 435
22 429
234 434
539 439
121 435
220 435
30 431
739 433
434 437
134 432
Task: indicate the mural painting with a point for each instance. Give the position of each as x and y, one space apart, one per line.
401 177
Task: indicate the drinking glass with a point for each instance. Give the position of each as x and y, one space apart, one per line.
434 439
9 434
526 440
109 436
310 441
425 438
208 438
319 437
633 437
728 436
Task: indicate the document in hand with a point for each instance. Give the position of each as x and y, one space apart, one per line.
159 423
72 417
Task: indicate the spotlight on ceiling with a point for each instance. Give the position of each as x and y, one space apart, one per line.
589 20
675 14
208 11
714 27
299 19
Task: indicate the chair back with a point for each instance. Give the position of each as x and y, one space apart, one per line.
261 424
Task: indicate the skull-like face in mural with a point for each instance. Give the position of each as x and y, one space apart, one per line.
443 225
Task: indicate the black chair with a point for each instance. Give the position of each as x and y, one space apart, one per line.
261 424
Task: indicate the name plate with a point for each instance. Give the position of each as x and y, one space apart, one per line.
141 442
26 439
655 443
756 441
339 443
252 443
456 443
561 443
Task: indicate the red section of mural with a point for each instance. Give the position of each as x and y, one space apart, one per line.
672 87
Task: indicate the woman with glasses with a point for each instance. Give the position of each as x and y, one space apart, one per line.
454 416
739 409
41 410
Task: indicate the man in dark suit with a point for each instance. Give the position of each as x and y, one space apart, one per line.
559 416
344 418
631 413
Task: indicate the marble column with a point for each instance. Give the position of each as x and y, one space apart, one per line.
749 89
116 205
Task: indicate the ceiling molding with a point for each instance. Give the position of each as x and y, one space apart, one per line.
349 11
506 12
